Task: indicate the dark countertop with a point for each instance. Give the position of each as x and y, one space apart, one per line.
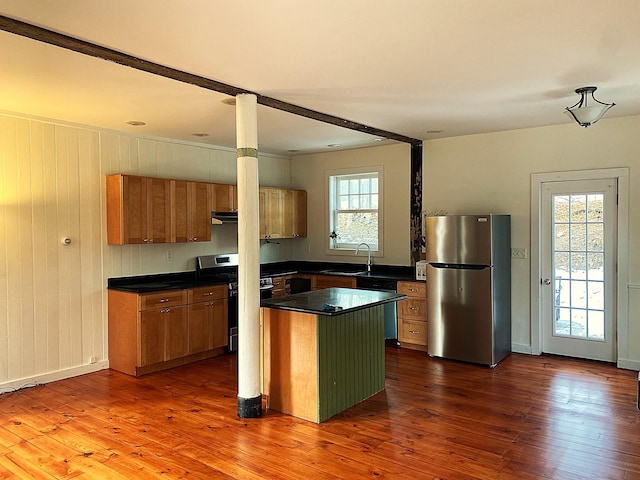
185 280
349 299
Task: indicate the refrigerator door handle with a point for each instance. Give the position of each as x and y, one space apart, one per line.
459 266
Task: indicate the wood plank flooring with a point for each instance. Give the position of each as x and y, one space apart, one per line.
529 418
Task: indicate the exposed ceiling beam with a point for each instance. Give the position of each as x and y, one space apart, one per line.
86 48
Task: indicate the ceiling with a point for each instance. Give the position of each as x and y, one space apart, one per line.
420 68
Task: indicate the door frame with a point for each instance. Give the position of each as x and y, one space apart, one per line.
622 253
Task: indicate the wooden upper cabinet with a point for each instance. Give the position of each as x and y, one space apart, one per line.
224 198
283 213
190 211
299 209
271 213
138 210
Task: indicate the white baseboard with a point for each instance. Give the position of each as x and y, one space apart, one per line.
629 364
52 376
521 348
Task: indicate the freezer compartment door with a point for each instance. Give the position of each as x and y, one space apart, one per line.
459 313
459 239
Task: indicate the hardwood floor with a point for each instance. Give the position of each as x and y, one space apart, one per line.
529 418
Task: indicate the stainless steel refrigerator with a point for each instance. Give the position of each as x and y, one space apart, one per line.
469 287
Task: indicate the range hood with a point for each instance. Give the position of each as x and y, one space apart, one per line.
218 218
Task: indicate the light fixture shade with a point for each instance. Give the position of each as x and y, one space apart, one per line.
586 115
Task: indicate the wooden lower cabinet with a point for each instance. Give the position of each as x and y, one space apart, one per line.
412 315
280 286
207 320
162 335
159 330
318 282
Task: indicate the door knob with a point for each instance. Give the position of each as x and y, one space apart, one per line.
547 281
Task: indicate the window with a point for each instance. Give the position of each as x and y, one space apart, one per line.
354 213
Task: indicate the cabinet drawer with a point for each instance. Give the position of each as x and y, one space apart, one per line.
204 294
413 289
413 308
166 298
412 331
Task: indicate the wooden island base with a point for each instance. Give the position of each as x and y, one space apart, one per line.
316 366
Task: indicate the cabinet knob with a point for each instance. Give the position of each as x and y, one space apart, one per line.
163 300
195 239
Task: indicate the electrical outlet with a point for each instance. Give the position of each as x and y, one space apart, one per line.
169 256
520 253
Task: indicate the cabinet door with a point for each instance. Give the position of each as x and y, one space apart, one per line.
175 332
271 206
224 198
330 281
200 212
263 199
299 213
199 327
158 210
287 213
134 209
152 332
179 211
219 325
274 213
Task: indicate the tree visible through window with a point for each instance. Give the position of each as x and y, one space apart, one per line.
354 216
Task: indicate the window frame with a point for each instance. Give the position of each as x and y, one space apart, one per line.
331 187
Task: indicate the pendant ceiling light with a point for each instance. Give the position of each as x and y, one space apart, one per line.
586 114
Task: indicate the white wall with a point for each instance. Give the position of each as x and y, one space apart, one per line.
53 297
308 172
491 173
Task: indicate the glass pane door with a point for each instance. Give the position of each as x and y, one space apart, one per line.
577 263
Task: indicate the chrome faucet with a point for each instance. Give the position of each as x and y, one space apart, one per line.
368 257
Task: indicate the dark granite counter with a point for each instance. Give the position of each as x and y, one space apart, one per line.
321 302
185 280
159 282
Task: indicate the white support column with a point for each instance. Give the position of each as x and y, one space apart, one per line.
249 395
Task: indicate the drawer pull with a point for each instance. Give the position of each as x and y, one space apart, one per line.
414 332
163 300
413 289
414 308
208 294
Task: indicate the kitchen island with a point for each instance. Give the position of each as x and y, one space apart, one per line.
323 351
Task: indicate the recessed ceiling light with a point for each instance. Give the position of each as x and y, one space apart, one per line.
199 134
435 131
136 123
229 101
378 139
334 145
